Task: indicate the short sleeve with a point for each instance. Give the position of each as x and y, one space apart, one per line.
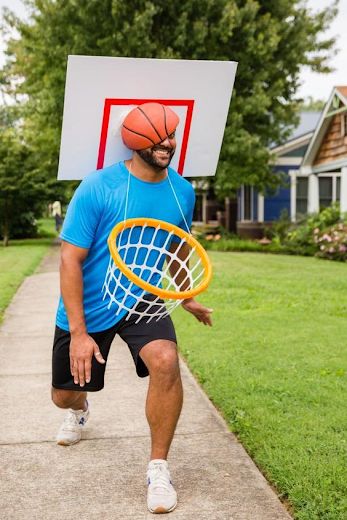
83 214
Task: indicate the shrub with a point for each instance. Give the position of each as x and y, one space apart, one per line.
302 235
23 225
332 242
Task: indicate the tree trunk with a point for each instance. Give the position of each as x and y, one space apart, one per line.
230 205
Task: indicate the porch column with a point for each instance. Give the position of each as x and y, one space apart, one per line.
260 207
292 176
313 194
343 193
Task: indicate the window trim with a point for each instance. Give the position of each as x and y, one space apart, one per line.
294 174
334 176
243 203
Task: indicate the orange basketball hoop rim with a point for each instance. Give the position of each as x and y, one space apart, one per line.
170 228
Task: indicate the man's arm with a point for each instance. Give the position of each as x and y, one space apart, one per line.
82 346
179 275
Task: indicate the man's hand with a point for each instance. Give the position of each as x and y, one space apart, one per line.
82 349
201 313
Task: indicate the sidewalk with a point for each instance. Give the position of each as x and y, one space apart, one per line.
103 477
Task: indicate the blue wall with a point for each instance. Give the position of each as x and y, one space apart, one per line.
274 204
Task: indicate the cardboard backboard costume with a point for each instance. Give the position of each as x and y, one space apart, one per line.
112 107
100 92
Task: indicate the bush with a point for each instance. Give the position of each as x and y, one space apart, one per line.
24 225
302 235
323 234
332 242
279 228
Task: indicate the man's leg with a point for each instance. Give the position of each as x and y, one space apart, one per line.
163 408
70 431
69 399
165 394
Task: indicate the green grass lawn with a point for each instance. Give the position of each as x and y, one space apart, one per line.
274 363
20 259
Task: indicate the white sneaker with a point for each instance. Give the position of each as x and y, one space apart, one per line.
161 497
70 431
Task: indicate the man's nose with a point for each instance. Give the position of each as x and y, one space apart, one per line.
166 142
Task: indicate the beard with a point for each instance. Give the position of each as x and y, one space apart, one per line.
154 159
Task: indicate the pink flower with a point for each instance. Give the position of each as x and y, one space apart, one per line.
331 250
327 238
342 248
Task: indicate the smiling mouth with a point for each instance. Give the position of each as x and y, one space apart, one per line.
162 153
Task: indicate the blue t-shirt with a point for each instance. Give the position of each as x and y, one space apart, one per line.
96 207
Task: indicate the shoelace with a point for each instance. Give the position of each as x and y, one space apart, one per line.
159 478
70 422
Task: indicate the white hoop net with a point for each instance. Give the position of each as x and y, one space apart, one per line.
157 257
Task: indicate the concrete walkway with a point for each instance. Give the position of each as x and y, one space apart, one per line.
103 477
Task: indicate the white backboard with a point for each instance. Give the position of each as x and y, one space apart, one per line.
101 90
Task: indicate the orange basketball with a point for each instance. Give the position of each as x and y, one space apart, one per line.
147 125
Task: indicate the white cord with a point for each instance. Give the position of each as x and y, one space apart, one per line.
127 195
172 189
178 204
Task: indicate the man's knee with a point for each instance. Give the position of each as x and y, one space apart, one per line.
161 359
63 398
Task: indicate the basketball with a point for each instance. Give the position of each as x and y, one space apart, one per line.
147 125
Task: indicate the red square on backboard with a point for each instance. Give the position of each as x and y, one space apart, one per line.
109 102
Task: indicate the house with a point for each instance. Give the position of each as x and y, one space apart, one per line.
256 210
324 166
314 162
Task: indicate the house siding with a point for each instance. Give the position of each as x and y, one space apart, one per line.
274 205
334 145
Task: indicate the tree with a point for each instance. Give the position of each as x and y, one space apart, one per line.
271 40
312 105
23 189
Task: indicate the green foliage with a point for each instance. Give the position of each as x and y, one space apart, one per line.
22 187
46 228
280 227
332 242
24 225
312 105
323 234
302 235
270 40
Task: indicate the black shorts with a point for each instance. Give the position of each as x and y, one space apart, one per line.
136 335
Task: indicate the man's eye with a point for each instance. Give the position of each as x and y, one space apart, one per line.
171 136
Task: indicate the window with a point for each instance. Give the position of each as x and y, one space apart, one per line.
338 188
343 124
247 203
329 190
301 195
325 192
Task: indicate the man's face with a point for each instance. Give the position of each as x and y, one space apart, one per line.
160 155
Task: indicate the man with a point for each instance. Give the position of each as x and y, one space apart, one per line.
142 186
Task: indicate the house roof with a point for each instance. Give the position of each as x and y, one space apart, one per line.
301 135
343 91
340 94
308 122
